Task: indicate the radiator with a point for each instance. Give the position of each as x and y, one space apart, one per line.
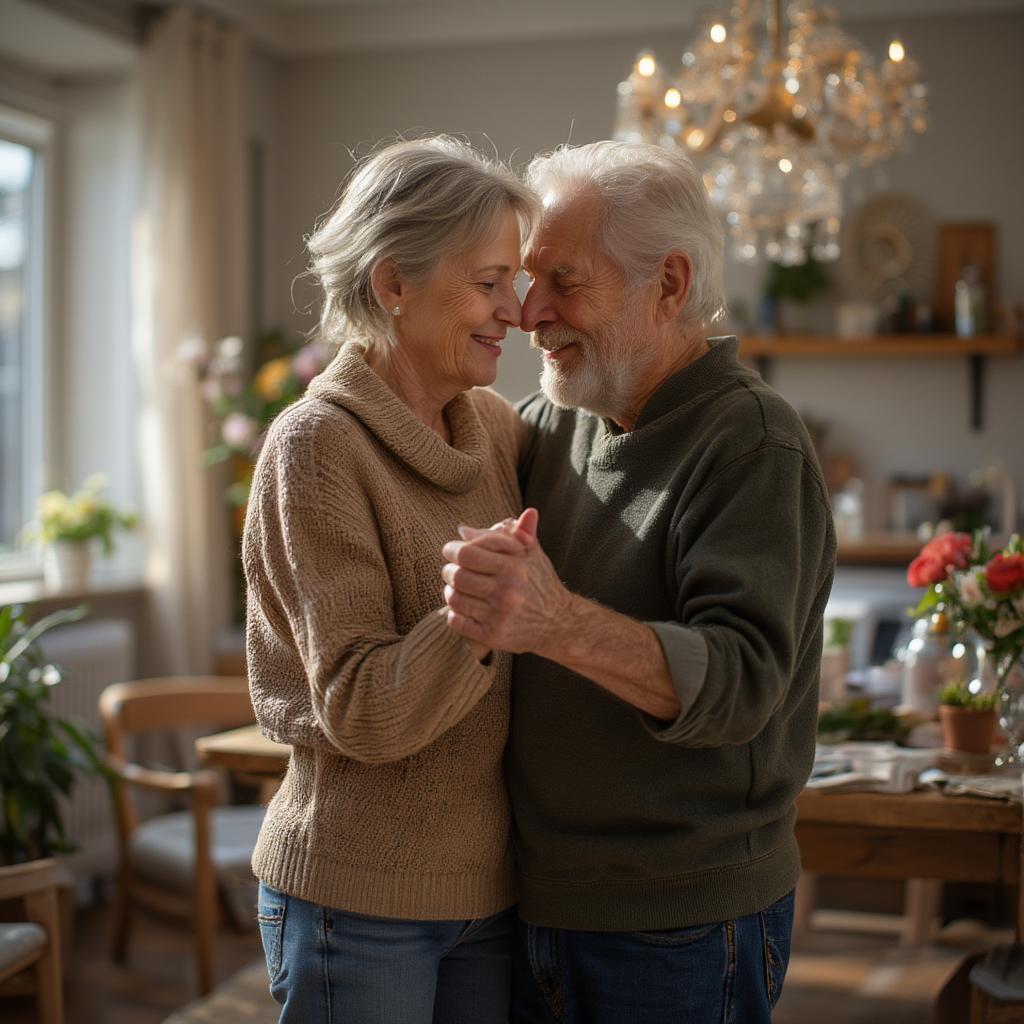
91 655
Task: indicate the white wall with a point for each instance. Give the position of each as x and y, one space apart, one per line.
904 415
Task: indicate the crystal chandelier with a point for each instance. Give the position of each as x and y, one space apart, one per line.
776 119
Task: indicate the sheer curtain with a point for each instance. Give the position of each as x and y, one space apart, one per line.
190 258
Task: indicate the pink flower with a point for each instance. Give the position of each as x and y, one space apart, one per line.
309 361
239 430
192 351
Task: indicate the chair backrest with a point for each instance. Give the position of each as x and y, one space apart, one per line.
148 705
168 703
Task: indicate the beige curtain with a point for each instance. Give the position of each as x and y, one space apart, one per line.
190 260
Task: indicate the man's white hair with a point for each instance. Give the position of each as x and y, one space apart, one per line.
654 201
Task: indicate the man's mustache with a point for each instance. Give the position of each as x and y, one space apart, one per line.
552 338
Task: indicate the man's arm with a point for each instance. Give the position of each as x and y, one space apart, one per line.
507 598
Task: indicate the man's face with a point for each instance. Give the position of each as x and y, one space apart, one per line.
590 326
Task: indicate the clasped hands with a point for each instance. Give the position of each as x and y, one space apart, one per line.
501 590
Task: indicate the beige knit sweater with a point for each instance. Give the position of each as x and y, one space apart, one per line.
393 803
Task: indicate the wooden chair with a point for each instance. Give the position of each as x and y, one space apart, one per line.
178 864
36 941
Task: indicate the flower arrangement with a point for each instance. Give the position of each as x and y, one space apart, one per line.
244 406
83 516
977 589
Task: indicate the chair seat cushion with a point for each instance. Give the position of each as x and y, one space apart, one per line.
1001 974
18 941
163 851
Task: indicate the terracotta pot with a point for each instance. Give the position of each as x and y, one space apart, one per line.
966 729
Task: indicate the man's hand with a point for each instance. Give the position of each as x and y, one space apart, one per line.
502 590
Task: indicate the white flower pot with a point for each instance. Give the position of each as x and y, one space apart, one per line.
67 565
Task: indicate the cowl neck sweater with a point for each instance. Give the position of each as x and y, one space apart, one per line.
393 803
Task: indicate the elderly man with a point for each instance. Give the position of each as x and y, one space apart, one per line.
667 613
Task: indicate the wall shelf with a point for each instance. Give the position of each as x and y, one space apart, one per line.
880 549
899 346
763 349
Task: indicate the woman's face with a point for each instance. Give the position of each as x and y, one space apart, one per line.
452 325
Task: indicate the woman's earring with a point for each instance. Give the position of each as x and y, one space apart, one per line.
397 311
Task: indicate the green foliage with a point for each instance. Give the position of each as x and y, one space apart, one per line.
858 720
801 282
839 632
41 754
956 695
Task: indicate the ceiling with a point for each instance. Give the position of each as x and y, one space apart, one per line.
322 26
92 37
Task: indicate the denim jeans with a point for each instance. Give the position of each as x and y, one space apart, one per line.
726 973
330 966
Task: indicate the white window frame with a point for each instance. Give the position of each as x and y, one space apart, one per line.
37 132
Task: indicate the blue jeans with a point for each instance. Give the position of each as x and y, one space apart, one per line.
329 966
727 973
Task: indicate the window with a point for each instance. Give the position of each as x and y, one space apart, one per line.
24 143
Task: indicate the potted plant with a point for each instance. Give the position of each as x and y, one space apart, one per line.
968 720
41 754
835 660
68 524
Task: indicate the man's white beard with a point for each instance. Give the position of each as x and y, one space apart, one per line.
606 372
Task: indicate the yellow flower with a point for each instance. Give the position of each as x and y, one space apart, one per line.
51 505
271 379
83 508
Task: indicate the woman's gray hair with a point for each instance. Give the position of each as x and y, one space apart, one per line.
411 202
654 201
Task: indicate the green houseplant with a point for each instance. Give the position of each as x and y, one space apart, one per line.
968 720
41 754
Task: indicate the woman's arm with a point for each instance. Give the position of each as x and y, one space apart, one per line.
319 582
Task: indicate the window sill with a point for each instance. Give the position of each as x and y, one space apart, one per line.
101 590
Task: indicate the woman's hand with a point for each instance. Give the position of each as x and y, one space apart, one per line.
502 590
522 540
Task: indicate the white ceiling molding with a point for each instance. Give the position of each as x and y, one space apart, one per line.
320 27
89 37
59 44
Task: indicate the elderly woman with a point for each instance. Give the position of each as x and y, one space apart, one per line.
384 860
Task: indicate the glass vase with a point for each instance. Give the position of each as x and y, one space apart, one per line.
1010 705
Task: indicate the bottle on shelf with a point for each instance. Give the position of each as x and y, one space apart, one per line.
969 303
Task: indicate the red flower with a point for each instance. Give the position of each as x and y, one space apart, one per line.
926 570
940 555
1005 573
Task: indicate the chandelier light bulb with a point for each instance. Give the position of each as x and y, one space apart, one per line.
776 104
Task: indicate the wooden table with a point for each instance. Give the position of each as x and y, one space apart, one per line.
866 835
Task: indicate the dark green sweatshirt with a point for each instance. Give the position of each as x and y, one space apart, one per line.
710 522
